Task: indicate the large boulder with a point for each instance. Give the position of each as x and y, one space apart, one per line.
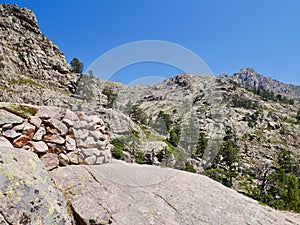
120 193
27 194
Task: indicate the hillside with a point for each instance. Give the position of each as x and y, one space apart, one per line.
241 130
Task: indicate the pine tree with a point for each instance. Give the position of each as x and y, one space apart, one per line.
77 66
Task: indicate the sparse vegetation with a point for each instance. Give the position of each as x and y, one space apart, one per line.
111 96
26 82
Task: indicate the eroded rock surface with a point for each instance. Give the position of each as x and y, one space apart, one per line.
120 193
27 194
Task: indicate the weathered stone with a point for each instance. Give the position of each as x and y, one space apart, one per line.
38 136
38 146
50 161
81 125
70 115
27 194
52 138
107 157
34 120
63 159
9 118
121 193
69 123
57 124
81 134
27 126
98 135
7 126
21 141
5 143
75 157
47 112
90 160
90 151
70 143
11 134
55 148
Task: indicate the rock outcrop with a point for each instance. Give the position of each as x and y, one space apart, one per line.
27 194
32 69
121 193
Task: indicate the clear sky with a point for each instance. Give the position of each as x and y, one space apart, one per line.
227 34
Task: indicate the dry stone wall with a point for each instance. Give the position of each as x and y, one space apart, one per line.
58 136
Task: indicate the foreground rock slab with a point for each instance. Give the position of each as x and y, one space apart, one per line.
27 195
121 193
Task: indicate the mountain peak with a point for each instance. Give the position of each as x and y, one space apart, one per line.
249 78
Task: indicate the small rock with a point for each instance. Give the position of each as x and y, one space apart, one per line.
46 112
97 135
21 141
81 134
39 146
90 160
57 124
70 143
34 120
27 126
50 161
75 157
69 123
38 136
90 151
52 138
9 118
7 126
11 134
80 125
70 115
55 148
63 159
90 142
5 143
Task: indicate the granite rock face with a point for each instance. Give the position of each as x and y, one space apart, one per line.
27 194
32 68
120 193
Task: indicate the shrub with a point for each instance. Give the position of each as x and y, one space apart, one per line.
201 145
139 157
117 152
174 136
189 168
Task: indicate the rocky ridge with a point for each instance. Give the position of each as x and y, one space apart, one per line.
248 78
32 69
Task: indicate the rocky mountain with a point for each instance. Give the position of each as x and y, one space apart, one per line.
32 68
248 78
235 129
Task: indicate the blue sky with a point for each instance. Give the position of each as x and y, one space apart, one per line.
228 35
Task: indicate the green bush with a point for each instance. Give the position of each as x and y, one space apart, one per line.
139 157
201 145
189 168
174 136
117 152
